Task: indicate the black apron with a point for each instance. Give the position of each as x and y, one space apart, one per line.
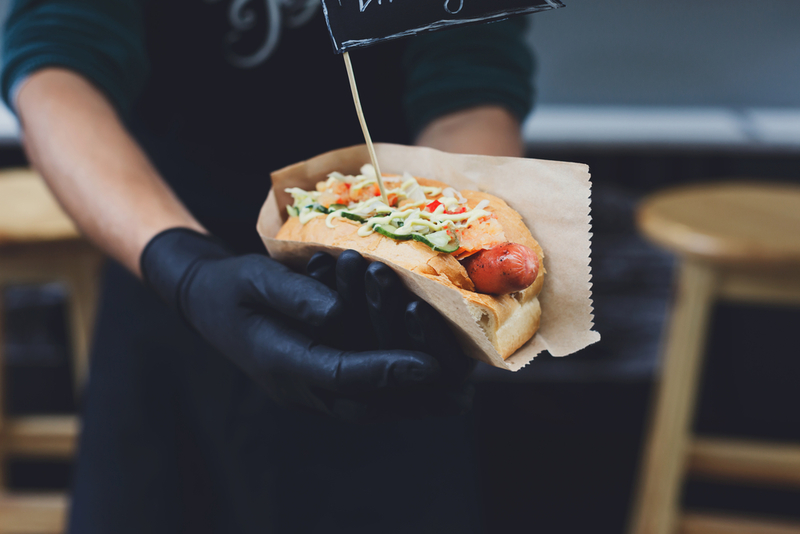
176 438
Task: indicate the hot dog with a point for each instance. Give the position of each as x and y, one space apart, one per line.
470 241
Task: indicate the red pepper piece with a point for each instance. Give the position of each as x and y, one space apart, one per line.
432 206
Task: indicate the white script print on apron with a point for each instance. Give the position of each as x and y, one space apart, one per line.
242 17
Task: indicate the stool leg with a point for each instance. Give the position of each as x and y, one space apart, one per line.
83 282
663 468
2 394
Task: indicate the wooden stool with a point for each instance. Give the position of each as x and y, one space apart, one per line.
738 242
39 244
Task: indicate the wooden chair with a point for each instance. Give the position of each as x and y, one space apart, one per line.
737 242
39 244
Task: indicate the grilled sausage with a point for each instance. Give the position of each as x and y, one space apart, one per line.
502 269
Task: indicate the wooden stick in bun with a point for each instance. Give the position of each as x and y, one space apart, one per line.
470 241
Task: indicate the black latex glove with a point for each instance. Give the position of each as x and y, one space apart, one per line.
254 310
375 296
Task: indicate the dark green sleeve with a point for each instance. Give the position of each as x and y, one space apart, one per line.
463 67
101 39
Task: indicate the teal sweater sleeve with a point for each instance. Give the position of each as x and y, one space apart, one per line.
464 67
101 39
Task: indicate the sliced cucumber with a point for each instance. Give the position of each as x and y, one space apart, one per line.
334 207
389 231
353 217
293 212
449 248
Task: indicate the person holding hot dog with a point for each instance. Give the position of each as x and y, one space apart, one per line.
234 395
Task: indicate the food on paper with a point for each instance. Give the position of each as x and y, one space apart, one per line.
467 240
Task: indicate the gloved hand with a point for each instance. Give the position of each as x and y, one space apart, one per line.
375 296
262 316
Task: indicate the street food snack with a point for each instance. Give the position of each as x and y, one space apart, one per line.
467 240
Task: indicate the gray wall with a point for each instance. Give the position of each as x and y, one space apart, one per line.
732 53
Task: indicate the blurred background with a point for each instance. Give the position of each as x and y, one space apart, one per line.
650 95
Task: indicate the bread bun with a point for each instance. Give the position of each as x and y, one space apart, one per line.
508 320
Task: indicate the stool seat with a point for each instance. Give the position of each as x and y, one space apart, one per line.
734 241
28 211
745 223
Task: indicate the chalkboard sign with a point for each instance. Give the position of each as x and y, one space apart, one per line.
359 23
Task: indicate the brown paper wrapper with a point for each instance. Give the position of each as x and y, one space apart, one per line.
552 197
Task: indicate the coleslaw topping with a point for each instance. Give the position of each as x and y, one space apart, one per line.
429 215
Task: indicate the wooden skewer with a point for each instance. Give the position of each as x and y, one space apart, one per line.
367 138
